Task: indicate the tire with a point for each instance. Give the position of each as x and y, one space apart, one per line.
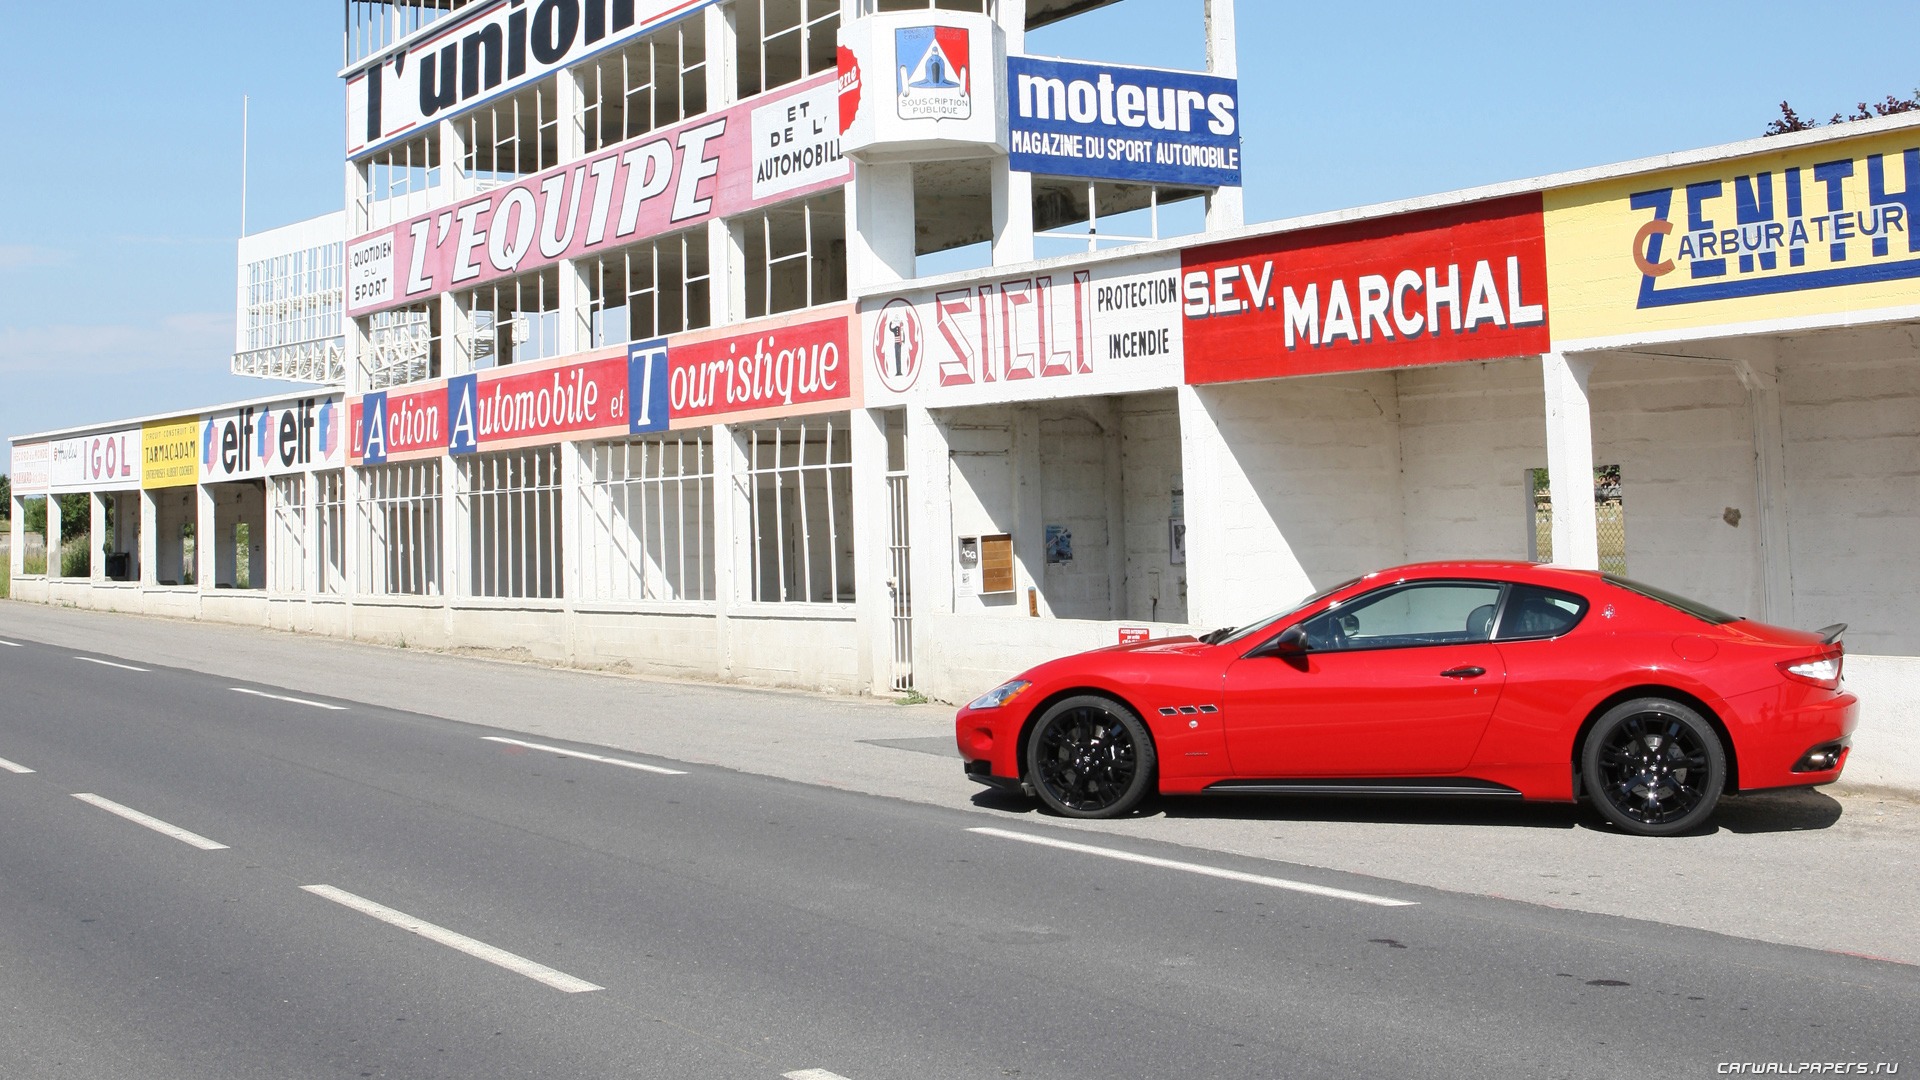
1090 757
1654 767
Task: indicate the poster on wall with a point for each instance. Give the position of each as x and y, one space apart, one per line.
273 439
104 461
664 181
1464 282
28 474
784 366
1112 328
170 454
1811 232
1139 125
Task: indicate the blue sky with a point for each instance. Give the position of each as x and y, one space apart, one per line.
122 189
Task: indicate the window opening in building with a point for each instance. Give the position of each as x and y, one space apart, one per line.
658 80
870 7
330 530
796 255
293 316
1071 215
952 216
657 288
287 562
1609 512
799 481
783 41
514 321
399 180
400 514
403 346
649 511
513 523
374 25
516 136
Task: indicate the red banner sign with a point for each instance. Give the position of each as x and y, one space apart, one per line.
1459 283
770 368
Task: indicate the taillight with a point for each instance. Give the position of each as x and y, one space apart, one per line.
1821 669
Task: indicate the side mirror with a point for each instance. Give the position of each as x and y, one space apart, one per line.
1291 642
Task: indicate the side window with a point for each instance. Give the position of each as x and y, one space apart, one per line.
1533 612
1434 613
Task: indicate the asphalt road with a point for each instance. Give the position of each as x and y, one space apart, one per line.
587 918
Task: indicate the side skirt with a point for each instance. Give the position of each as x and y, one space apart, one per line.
1425 787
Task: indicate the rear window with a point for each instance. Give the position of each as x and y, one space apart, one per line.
1692 607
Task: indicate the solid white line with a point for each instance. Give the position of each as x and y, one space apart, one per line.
12 644
295 700
812 1074
564 752
153 823
1196 868
109 663
559 980
11 767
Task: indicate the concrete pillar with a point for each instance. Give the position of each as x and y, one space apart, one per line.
1760 377
17 538
880 246
149 538
575 332
723 82
1029 515
1205 462
456 554
206 572
569 104
98 540
732 543
1012 214
1570 460
1226 207
53 537
872 548
931 559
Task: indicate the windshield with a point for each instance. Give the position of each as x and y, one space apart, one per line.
1680 603
1254 628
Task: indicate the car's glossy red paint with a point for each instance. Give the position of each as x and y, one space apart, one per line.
1216 713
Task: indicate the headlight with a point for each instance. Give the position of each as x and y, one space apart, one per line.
1000 695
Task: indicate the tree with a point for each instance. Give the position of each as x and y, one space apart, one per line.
1792 121
6 497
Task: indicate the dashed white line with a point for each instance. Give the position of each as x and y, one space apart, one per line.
295 700
519 965
13 767
150 822
563 751
1196 868
109 663
812 1074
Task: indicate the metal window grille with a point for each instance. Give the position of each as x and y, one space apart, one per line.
658 80
513 523
783 41
399 181
294 316
650 290
373 25
799 489
1075 215
516 136
330 530
403 346
287 558
400 513
1609 513
796 255
649 511
513 321
899 551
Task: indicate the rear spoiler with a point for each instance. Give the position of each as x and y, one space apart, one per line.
1831 634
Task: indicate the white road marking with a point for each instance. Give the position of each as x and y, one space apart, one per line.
1196 868
153 823
520 965
12 767
109 663
12 644
563 751
295 700
812 1074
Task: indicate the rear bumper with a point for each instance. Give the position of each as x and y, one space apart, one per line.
1782 734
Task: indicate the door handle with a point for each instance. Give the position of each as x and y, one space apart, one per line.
1463 673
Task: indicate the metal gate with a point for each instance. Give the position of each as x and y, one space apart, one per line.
900 583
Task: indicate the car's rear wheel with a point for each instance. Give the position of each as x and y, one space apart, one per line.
1654 767
1090 757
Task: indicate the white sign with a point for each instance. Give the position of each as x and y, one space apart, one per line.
921 82
796 142
1110 329
370 272
109 461
29 472
279 437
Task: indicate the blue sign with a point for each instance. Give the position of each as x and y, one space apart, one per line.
372 435
647 386
1106 122
463 404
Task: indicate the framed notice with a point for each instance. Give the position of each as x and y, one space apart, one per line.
996 564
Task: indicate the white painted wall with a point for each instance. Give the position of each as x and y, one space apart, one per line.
1468 433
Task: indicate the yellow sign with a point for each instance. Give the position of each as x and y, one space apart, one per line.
172 457
1810 232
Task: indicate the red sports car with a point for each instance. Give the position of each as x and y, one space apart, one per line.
1466 678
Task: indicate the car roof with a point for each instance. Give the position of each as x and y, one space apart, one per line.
1503 569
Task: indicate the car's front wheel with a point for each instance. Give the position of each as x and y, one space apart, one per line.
1654 767
1090 757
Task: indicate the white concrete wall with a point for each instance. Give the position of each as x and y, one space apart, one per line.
1468 434
1151 472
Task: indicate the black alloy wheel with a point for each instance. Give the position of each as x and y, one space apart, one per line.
1090 757
1654 767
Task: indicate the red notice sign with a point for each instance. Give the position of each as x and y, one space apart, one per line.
1459 283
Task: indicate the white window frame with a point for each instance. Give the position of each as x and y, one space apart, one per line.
631 79
668 261
515 321
294 315
403 345
398 181
816 487
511 510
511 137
287 553
648 506
1087 235
401 524
330 530
816 19
826 277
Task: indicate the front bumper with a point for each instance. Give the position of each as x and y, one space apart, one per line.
981 772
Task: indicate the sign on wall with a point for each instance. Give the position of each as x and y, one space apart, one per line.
516 406
170 454
28 474
396 426
910 83
773 367
1809 232
108 461
659 183
1107 122
495 49
1115 328
278 437
1459 283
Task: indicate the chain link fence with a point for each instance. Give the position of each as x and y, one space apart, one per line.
1610 518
